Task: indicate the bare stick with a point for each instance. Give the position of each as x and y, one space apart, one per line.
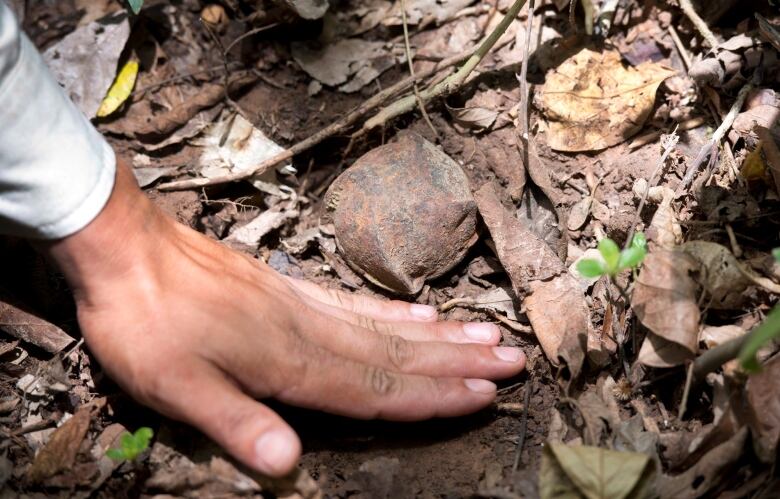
408 48
524 72
332 129
529 388
686 392
698 23
686 58
452 82
712 144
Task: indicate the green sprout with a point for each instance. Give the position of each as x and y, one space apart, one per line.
131 445
767 331
615 261
135 5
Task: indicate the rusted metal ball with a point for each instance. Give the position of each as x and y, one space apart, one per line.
403 214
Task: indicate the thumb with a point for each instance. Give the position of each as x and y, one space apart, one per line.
247 429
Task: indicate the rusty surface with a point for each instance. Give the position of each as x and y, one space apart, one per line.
403 214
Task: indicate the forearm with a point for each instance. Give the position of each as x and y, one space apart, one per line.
56 171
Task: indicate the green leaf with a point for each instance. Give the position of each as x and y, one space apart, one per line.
631 257
135 5
776 254
589 267
126 441
594 473
142 437
116 454
766 332
639 241
611 253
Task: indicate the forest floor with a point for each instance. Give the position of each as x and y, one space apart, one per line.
619 109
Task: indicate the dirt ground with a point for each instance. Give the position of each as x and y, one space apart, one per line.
614 386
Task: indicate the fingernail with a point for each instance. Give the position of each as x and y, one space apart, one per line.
480 385
508 354
423 311
479 331
275 451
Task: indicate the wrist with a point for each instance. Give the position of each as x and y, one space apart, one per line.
115 245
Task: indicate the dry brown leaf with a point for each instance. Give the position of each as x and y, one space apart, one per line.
664 300
554 300
721 274
592 101
763 407
60 451
32 329
474 117
705 474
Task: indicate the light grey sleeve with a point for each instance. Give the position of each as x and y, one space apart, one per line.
56 170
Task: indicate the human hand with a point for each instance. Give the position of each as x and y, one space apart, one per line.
198 332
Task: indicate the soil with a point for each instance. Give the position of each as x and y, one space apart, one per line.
463 457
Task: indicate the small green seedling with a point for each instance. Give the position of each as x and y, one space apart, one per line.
131 445
615 261
135 5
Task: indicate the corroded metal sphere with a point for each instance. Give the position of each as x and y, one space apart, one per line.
403 214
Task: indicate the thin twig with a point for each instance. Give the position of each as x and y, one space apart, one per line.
686 58
226 77
524 73
330 130
686 392
698 23
408 48
452 82
712 144
523 422
248 34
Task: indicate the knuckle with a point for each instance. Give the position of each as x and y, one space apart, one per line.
399 351
381 382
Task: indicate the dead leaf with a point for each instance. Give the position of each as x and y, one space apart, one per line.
709 471
344 23
308 9
720 274
233 144
727 64
248 236
763 409
418 11
87 73
664 300
32 329
664 229
594 473
60 451
579 213
347 64
146 176
592 101
554 301
475 118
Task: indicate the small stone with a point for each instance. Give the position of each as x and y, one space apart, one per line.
403 214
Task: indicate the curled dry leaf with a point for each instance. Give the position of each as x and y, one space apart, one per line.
554 300
763 409
32 329
664 300
664 229
708 472
60 451
595 473
579 213
475 118
592 101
